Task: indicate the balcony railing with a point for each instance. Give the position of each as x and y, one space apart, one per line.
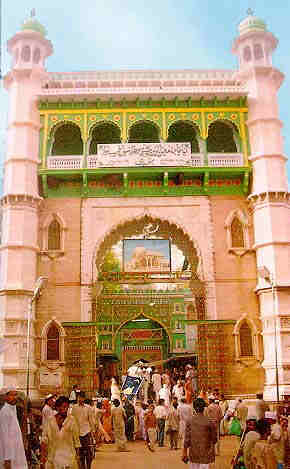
217 160
65 162
126 155
225 159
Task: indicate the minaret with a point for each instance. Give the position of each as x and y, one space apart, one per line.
269 198
21 199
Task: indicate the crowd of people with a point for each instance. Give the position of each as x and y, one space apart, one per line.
167 411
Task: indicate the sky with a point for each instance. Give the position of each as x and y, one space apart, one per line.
147 34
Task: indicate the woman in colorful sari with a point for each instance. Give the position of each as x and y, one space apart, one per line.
107 420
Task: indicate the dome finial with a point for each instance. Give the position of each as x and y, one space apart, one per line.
33 24
252 24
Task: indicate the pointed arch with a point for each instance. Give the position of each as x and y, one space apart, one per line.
134 225
52 341
53 233
147 316
247 339
237 232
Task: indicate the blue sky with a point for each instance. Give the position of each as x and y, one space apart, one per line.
147 34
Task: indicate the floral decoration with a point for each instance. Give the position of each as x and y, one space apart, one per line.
155 117
132 117
54 118
234 116
171 117
93 118
195 117
78 118
116 118
210 117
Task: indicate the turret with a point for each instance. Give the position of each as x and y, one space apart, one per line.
269 198
28 47
20 201
255 45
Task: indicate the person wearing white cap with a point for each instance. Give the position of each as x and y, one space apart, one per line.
12 454
48 409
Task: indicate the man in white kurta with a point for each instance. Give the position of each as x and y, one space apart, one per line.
156 381
48 410
12 454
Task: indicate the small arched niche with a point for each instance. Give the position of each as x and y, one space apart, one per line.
184 131
67 140
247 340
52 348
104 132
247 54
144 132
54 236
26 54
52 343
36 55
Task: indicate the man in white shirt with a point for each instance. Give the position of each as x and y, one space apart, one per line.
48 409
12 454
156 381
160 413
84 416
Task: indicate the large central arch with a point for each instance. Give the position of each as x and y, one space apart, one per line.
167 229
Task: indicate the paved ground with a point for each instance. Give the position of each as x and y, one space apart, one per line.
141 458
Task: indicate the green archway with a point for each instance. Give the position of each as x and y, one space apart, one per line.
141 338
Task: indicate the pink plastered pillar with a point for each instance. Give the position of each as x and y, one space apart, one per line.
20 203
269 201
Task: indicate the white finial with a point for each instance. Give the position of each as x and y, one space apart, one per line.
250 12
32 13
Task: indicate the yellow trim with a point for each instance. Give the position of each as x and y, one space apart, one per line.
138 110
86 127
203 126
244 138
164 128
124 127
44 143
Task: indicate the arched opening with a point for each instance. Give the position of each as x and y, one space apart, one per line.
221 138
246 343
26 54
247 54
36 55
144 132
52 343
104 132
54 236
183 131
258 52
237 233
67 140
142 338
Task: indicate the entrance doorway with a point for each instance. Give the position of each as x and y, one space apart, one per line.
141 338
